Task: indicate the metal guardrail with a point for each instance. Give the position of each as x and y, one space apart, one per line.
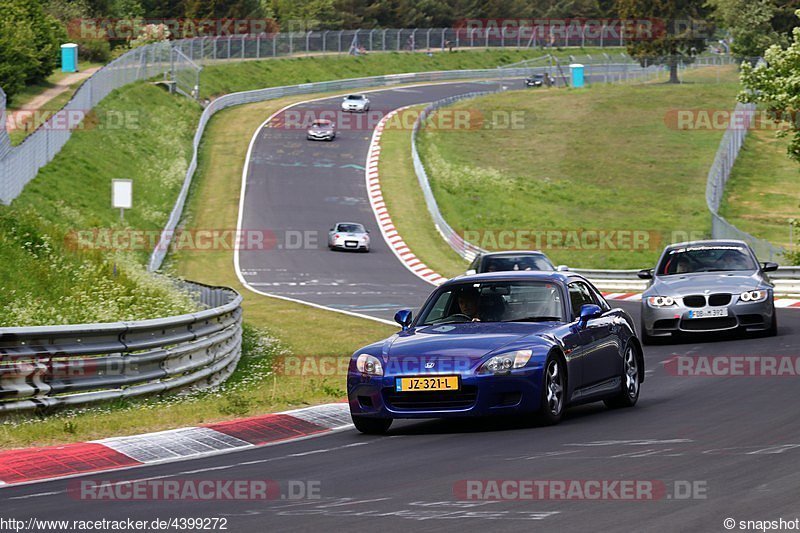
52 366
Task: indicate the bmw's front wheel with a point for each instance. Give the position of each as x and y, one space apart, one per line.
629 390
553 391
371 426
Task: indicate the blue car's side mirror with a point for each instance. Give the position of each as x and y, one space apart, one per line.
588 312
403 317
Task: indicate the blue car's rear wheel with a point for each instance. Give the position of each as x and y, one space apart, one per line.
629 393
553 391
371 426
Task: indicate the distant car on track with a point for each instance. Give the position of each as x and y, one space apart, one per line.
355 103
348 236
321 130
500 343
706 286
538 80
512 260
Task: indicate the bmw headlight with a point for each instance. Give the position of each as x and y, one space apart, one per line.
660 301
502 363
753 296
369 364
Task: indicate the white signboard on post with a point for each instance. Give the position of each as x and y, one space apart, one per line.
122 195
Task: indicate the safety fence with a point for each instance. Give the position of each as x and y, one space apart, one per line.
45 367
718 175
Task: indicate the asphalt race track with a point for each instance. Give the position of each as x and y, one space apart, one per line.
297 190
734 440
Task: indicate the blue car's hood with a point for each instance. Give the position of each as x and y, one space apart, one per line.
464 343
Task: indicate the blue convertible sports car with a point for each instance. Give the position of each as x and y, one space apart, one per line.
499 343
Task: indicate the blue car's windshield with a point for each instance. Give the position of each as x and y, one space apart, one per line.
495 301
703 258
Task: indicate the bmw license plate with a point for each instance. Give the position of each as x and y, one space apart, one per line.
426 383
708 313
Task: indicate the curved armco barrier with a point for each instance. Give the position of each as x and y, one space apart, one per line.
52 366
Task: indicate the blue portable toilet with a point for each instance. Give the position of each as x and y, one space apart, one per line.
69 57
577 74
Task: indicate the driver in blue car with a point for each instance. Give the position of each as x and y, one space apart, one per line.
468 303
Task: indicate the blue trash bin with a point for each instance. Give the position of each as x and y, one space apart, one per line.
577 74
69 57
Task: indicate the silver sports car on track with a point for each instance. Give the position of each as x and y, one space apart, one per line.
321 130
355 103
348 236
706 286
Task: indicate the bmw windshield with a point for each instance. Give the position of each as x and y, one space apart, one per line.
495 301
694 259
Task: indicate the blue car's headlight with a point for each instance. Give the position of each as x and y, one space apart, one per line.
660 301
753 296
505 362
369 364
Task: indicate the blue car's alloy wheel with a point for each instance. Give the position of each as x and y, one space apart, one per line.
553 392
629 394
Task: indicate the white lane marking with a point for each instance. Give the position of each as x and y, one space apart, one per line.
774 449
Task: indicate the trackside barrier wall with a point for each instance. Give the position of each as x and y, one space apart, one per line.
53 366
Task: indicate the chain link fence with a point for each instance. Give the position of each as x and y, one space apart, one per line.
718 176
5 142
185 74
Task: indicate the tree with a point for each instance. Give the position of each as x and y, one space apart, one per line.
679 30
30 42
750 25
776 86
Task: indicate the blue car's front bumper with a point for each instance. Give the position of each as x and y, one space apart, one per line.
479 395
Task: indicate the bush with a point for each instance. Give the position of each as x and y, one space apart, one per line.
96 50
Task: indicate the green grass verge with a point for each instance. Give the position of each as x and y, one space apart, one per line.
762 193
225 78
406 203
601 158
72 194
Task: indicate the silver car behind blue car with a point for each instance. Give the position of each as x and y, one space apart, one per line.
707 286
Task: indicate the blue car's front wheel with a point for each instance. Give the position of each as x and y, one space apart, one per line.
553 391
371 426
